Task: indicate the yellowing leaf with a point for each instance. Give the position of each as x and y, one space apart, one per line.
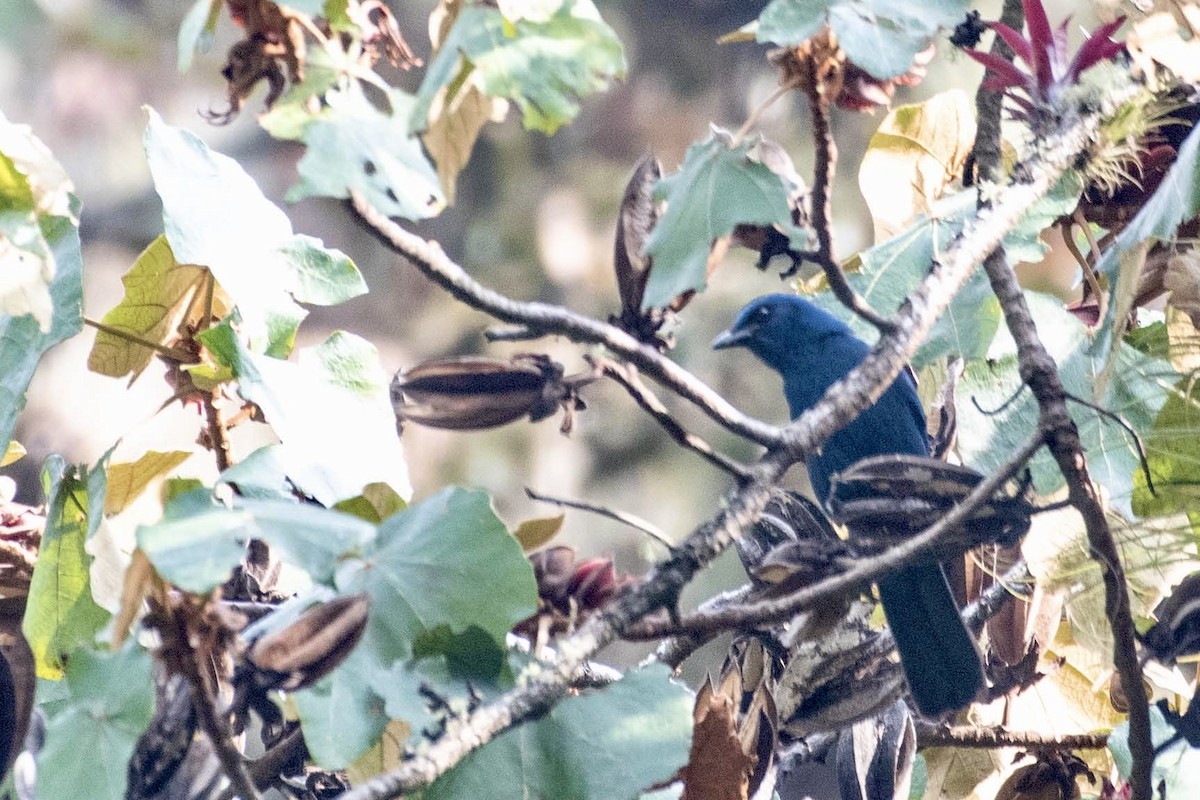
384 755
922 147
453 129
127 481
14 452
533 533
160 296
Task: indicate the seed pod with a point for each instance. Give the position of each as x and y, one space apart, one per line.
838 678
1177 632
637 217
312 646
903 494
474 392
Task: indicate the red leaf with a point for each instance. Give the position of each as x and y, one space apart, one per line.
1041 38
1096 49
1001 69
1019 44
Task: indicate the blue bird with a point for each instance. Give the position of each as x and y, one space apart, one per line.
811 350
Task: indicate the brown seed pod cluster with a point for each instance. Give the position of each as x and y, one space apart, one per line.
569 590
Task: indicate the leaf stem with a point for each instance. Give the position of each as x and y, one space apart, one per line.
162 349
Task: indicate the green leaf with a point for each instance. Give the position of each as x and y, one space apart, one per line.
198 542
216 217
880 36
304 102
127 481
606 745
262 475
1173 452
355 146
719 185
542 63
90 741
887 273
1176 768
332 412
61 614
1176 200
1136 393
341 714
197 29
446 561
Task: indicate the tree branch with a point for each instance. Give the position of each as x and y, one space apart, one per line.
931 734
822 199
536 693
1040 373
429 258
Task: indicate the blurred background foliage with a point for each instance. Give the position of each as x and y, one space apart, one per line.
535 217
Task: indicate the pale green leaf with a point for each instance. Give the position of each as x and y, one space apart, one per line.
880 36
331 410
216 217
606 745
91 738
541 62
355 146
719 186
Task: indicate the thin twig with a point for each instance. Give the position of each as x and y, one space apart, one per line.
931 734
204 700
625 518
1117 418
822 199
757 113
162 349
626 375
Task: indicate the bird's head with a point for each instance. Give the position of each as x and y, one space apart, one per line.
781 329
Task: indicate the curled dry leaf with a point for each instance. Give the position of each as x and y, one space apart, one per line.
474 392
311 647
273 50
717 768
637 216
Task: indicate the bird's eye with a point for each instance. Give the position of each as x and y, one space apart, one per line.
762 314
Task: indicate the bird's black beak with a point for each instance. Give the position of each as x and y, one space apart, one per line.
734 337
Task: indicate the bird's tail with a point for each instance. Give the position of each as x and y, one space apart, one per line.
941 660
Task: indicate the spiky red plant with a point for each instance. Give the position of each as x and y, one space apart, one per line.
1044 53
